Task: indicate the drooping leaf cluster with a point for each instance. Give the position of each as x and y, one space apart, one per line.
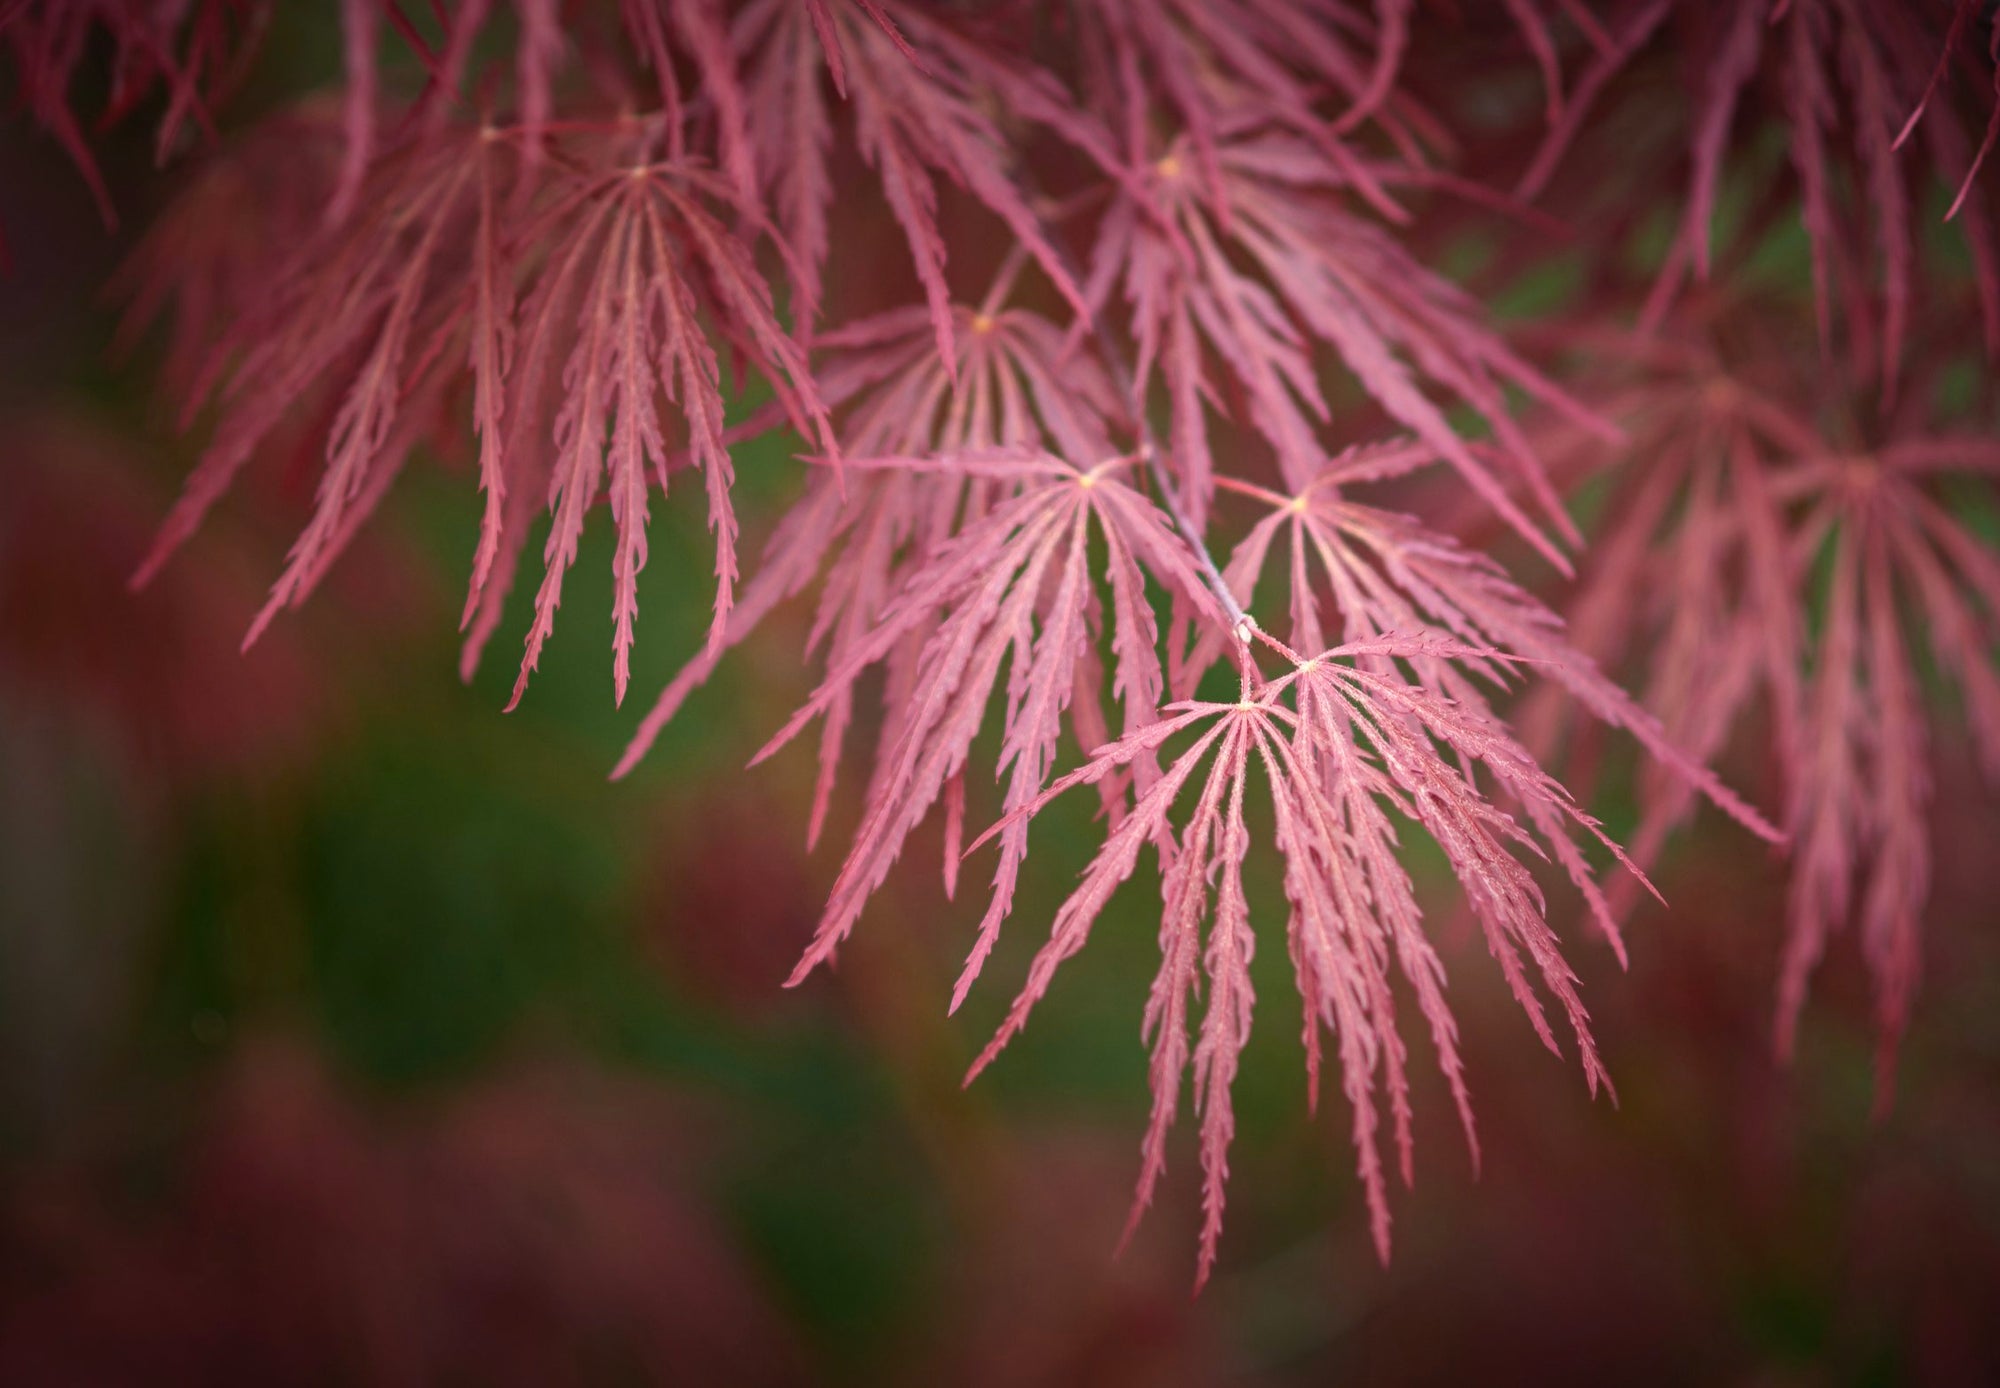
1056 302
1774 557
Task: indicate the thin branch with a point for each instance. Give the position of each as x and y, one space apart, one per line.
1122 381
1241 621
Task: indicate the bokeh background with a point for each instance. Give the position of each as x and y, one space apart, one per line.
354 1032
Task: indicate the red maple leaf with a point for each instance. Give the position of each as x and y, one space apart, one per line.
1290 267
1746 519
1353 745
1013 586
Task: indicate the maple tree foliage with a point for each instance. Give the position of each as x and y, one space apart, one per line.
1056 303
1353 739
1760 555
1327 276
1385 573
977 601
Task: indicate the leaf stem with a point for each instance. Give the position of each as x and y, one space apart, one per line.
1241 623
1239 620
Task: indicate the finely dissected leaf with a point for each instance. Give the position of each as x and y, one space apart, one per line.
1744 518
1322 275
1358 572
919 97
704 33
341 319
616 265
1352 745
896 398
1694 552
1011 587
664 263
1008 386
1209 62
1860 781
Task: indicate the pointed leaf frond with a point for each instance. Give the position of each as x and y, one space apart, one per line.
1013 587
1292 267
1344 742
